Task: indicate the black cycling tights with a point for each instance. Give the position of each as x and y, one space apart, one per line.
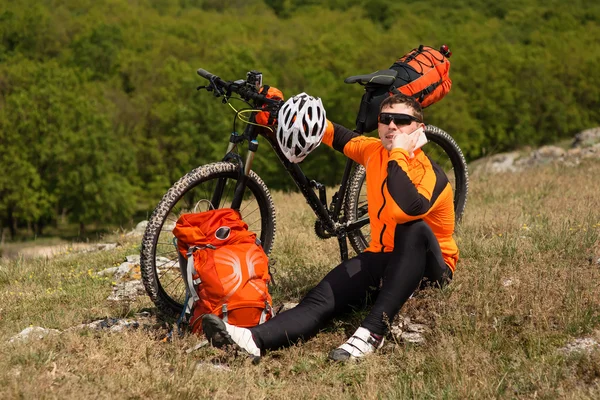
393 276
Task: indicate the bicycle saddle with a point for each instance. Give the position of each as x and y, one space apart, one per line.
382 77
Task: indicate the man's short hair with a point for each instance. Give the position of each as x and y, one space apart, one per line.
408 101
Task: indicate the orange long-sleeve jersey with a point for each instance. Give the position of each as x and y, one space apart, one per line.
399 189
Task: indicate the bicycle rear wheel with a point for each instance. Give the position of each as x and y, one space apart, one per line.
441 149
206 187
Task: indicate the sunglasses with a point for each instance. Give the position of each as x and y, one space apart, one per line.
399 119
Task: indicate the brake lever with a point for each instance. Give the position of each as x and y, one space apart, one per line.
213 87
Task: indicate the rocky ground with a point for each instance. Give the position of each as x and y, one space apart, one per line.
585 145
127 277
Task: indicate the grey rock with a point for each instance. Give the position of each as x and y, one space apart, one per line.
587 137
122 324
586 145
591 152
124 269
139 229
405 331
133 259
33 332
127 291
110 324
108 271
548 153
581 345
504 162
417 328
413 337
115 324
574 152
396 331
106 246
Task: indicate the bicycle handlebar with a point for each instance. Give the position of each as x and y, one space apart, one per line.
205 74
247 92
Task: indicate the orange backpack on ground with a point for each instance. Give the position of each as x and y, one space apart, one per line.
422 73
225 269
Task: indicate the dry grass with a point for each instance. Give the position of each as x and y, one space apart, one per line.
524 287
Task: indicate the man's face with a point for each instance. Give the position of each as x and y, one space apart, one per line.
388 131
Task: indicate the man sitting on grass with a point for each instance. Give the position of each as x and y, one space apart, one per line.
411 210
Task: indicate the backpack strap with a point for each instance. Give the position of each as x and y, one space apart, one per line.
224 311
189 276
192 283
421 95
266 311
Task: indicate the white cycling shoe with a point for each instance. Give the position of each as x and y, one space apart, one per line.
360 344
221 334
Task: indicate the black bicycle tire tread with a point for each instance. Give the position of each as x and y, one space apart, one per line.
461 162
157 219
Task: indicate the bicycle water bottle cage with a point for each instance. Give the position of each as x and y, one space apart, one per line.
383 77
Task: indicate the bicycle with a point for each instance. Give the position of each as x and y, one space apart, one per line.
232 183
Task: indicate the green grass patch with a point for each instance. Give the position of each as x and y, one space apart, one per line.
525 286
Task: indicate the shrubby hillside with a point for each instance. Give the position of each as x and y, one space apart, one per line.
99 112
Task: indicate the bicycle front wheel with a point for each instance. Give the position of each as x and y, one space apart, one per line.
441 149
207 187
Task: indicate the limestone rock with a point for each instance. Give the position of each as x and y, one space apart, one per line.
127 269
585 146
106 246
504 162
139 229
33 332
108 271
133 259
405 331
589 137
548 153
127 291
116 324
412 337
581 345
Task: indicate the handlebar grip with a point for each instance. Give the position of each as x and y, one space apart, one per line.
205 74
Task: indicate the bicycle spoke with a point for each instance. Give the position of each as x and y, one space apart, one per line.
246 206
226 197
165 243
247 215
252 224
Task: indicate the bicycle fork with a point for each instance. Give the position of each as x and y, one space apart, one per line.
240 187
244 171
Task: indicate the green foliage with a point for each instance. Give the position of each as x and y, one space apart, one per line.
99 114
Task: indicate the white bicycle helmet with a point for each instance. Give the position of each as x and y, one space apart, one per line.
302 124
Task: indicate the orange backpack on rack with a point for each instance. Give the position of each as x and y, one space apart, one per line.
423 73
224 267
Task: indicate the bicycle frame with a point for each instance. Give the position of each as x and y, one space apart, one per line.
318 203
